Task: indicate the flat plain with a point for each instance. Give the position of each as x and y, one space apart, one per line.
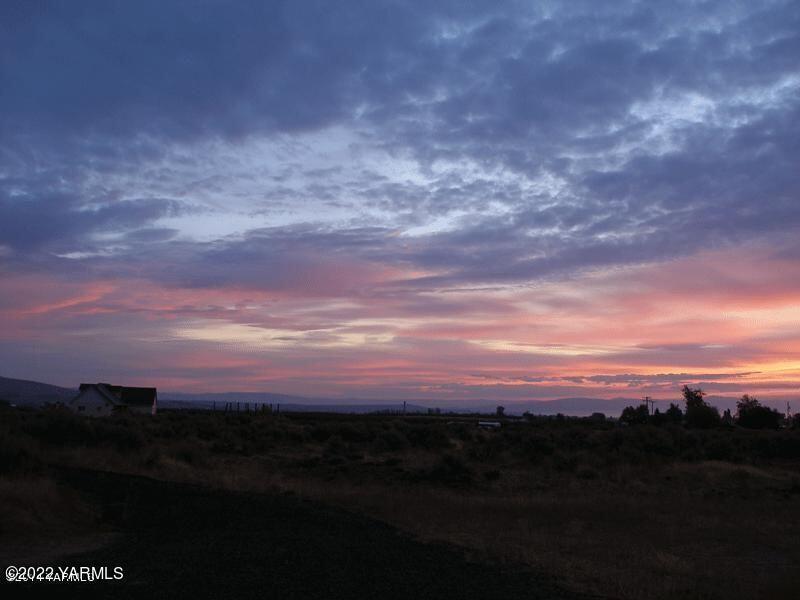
316 505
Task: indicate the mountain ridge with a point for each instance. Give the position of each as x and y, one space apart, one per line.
31 393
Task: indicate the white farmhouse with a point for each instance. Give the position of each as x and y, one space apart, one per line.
103 399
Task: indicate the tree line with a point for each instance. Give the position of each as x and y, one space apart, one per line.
699 414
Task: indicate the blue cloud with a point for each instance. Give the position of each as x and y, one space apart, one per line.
547 139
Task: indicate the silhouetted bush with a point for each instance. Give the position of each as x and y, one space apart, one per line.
658 418
429 436
225 443
61 427
320 433
189 453
18 454
750 413
537 447
720 448
635 415
674 414
354 432
580 447
390 440
335 445
699 414
450 470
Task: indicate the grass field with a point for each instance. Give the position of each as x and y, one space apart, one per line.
622 512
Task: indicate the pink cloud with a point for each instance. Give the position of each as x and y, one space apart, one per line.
340 332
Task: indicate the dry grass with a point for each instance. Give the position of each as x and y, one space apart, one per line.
603 541
709 530
38 505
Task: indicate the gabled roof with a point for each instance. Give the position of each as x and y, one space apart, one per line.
101 389
117 394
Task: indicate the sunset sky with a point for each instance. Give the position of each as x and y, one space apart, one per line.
402 200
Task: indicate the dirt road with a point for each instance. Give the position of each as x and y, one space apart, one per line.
182 541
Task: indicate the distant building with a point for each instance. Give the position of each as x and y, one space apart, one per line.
103 399
489 424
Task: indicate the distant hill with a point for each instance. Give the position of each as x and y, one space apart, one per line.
189 400
32 393
287 402
567 406
577 406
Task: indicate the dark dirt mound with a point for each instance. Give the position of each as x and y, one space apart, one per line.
182 541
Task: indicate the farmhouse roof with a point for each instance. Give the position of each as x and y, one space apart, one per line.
118 394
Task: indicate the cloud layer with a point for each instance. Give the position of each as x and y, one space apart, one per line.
402 199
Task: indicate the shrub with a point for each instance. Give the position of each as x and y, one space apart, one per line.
390 440
674 414
320 433
750 413
451 470
562 461
189 453
702 417
537 447
720 448
354 433
699 413
428 436
122 435
653 442
18 455
61 428
635 416
335 445
225 443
